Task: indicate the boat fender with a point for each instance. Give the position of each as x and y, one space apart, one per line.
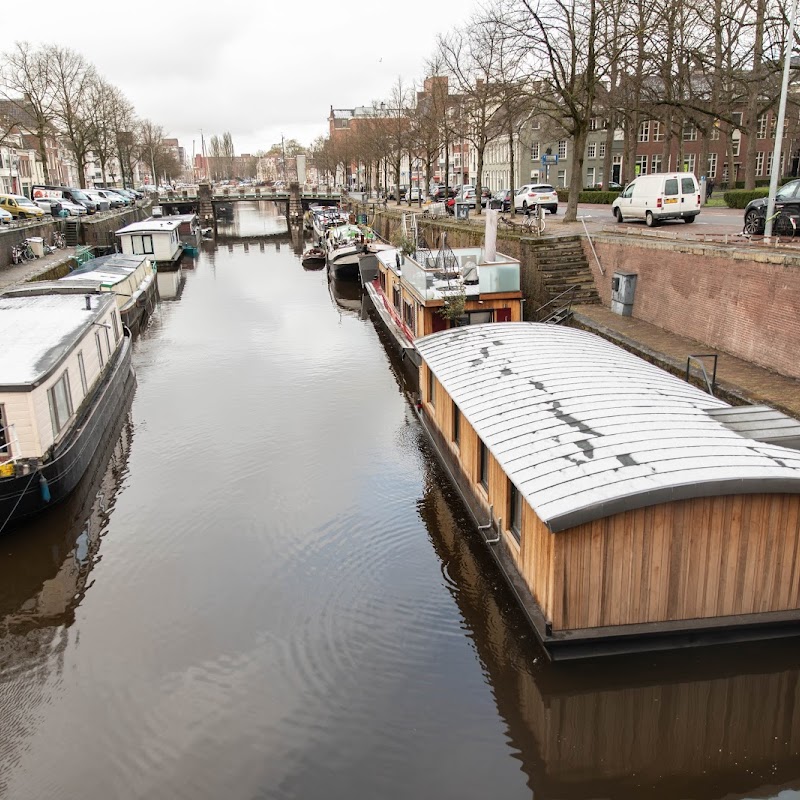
44 488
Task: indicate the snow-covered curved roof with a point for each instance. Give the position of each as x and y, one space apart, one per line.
585 429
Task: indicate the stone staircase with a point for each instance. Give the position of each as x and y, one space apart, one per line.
563 265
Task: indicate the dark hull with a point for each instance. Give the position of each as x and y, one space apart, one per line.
346 268
135 318
21 497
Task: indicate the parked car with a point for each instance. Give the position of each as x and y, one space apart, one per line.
613 186
64 193
501 200
52 207
73 209
414 193
101 203
465 195
5 217
787 200
397 194
438 192
79 197
530 194
20 207
486 196
114 200
658 197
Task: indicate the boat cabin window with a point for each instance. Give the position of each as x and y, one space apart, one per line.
382 280
456 425
396 297
408 316
82 370
431 388
115 323
60 402
108 341
515 510
99 348
483 466
5 447
142 245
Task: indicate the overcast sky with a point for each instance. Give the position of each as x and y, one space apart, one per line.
258 69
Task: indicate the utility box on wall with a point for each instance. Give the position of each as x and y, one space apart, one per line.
462 210
623 288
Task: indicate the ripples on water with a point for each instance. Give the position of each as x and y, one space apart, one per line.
272 592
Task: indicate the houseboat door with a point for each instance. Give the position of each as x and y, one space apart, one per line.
502 315
439 322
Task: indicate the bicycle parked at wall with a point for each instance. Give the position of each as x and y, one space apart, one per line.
22 252
58 242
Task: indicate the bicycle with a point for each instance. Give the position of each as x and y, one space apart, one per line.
534 220
784 225
59 242
17 254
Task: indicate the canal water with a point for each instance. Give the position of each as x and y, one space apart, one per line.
267 589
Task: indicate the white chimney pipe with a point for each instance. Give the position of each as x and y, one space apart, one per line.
490 239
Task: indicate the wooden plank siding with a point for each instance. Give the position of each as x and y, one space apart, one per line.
684 560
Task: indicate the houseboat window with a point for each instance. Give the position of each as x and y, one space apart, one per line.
456 424
479 317
115 323
5 447
515 510
99 348
431 388
82 370
108 341
396 297
142 245
483 466
60 402
408 316
382 280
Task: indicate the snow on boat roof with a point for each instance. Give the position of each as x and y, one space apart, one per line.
585 429
105 270
42 330
157 225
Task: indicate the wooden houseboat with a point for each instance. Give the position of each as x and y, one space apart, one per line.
159 239
411 294
628 509
62 385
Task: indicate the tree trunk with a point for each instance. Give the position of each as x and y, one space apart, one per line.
576 170
40 135
607 158
751 118
512 171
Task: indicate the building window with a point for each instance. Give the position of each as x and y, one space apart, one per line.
591 150
431 387
142 245
760 163
655 164
590 176
769 163
712 165
5 445
689 161
761 127
715 132
601 150
736 146
515 510
115 323
641 165
562 177
483 466
535 151
562 148
536 124
737 119
658 132
60 401
82 371
689 132
644 131
99 348
456 425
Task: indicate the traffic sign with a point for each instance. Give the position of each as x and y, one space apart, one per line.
547 159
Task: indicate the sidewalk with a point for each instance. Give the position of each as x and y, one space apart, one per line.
739 382
29 270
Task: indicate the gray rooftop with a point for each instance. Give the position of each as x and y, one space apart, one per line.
40 331
585 429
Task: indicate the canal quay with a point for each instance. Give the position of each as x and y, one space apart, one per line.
266 587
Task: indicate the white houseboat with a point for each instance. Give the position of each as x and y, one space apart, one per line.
62 385
344 245
157 238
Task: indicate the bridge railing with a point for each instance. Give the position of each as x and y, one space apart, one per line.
180 196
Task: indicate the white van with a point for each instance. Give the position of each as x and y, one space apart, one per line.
659 196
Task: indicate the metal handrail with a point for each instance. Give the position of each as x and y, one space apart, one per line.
710 385
560 294
9 442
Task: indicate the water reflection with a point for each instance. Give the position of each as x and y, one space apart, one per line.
252 220
170 284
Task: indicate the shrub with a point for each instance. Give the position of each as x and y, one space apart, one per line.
589 196
739 198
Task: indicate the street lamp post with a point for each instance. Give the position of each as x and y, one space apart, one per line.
776 153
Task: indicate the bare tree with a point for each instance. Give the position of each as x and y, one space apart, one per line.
73 78
559 43
27 83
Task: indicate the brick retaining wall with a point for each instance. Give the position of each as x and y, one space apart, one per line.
739 300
